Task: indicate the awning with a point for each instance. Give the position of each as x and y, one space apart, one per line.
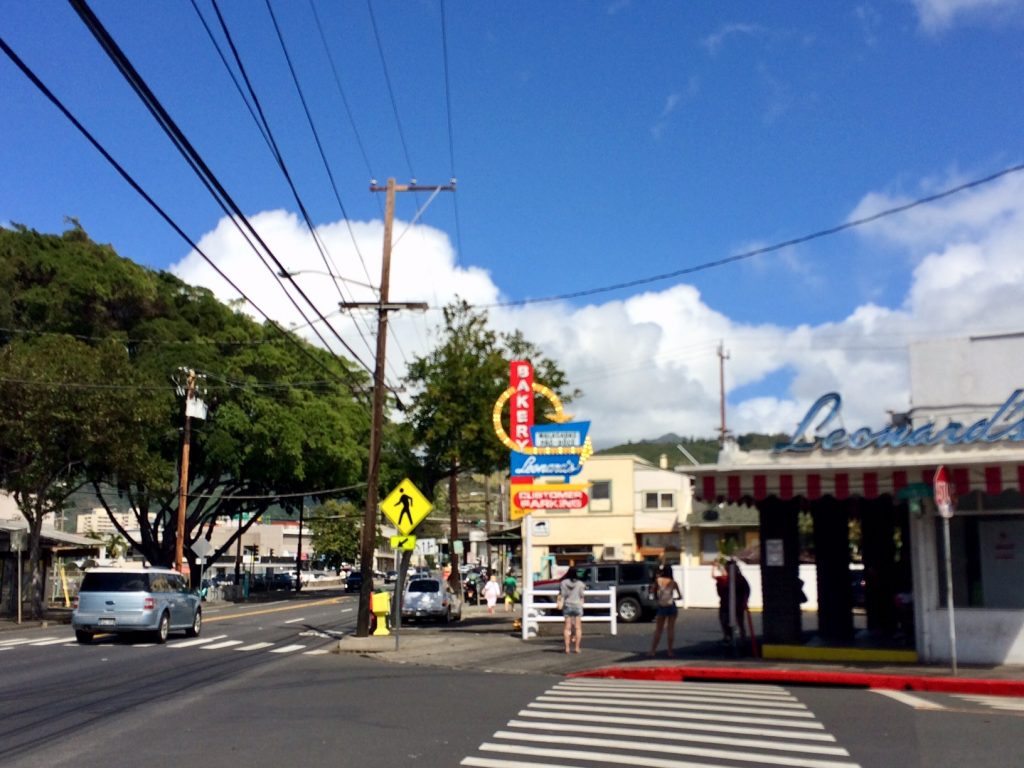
743 484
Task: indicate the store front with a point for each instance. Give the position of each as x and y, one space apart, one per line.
813 492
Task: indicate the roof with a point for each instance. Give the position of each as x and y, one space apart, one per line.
52 537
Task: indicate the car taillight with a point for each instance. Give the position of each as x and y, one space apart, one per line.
148 603
74 603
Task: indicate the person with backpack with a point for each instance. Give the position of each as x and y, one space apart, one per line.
665 590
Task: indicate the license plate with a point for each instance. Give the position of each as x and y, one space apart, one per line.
108 622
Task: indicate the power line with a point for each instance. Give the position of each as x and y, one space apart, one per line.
281 271
355 388
451 132
765 249
196 162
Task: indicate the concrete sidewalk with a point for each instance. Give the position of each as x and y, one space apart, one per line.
489 643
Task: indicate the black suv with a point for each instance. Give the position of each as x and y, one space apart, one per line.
631 580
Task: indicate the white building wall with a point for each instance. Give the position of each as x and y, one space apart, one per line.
963 379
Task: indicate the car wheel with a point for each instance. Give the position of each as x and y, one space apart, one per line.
163 628
628 610
83 637
197 625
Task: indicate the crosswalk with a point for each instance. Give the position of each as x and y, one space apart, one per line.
662 725
208 643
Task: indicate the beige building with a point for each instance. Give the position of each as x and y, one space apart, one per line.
635 511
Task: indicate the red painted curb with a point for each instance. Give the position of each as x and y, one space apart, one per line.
902 682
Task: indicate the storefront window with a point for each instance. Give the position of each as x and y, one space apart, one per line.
988 560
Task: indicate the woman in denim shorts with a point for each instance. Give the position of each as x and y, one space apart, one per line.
571 593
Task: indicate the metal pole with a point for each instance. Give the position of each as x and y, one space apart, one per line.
527 560
19 584
949 591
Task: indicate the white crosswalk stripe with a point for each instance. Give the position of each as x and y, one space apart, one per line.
24 641
222 644
1007 703
288 649
210 643
662 725
254 647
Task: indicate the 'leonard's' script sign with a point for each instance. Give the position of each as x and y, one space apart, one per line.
1006 424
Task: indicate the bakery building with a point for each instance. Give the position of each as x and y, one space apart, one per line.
966 414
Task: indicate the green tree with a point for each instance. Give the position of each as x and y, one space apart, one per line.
286 418
337 530
63 404
456 386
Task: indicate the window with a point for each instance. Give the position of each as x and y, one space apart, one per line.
988 561
659 500
601 490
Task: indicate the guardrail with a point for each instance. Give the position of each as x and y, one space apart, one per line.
534 612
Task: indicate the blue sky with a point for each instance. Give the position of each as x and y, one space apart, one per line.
594 143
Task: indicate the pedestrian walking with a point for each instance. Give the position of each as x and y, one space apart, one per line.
491 593
511 589
570 595
665 591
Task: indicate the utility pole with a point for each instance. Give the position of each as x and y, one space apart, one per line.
723 432
383 306
179 541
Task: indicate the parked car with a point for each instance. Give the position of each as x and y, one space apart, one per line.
283 580
354 581
430 599
131 600
631 580
391 577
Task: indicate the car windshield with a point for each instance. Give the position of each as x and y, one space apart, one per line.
115 582
424 585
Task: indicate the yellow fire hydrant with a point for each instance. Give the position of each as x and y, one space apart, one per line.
380 606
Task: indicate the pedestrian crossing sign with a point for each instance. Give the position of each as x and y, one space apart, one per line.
405 506
403 542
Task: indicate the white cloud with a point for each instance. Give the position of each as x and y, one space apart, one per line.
714 42
648 364
938 15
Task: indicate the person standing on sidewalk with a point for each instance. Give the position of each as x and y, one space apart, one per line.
511 588
729 579
570 594
665 591
491 593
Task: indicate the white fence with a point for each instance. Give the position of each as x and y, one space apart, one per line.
535 613
699 588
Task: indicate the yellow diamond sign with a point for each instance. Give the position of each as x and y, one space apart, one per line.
405 506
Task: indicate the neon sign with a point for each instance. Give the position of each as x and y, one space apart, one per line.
1006 424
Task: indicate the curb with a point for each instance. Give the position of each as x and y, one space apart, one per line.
898 682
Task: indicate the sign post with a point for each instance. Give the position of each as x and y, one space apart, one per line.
405 506
944 503
18 542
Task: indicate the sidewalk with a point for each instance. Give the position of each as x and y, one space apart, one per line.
489 643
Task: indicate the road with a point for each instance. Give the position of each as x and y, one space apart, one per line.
263 689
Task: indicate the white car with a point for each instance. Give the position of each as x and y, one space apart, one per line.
430 598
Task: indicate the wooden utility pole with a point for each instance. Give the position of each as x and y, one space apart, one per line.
179 541
383 306
723 432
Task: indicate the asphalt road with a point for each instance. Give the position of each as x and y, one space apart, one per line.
263 689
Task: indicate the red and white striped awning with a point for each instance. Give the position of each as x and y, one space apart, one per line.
735 484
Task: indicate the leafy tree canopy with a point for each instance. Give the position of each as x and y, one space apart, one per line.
286 418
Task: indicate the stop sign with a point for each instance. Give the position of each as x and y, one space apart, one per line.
943 498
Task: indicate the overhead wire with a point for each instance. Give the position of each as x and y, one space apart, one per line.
347 379
765 249
198 165
451 132
275 150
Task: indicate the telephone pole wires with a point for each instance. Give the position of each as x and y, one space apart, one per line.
383 306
